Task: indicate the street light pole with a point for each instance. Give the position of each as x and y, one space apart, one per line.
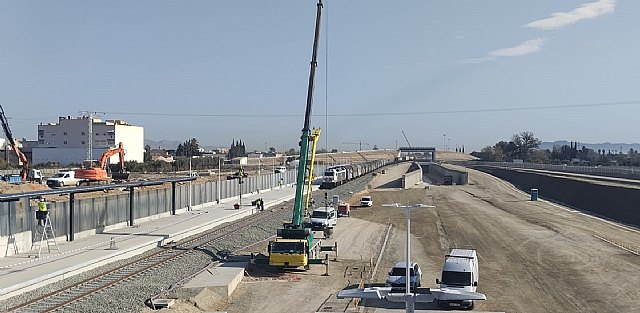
444 139
408 298
190 175
219 181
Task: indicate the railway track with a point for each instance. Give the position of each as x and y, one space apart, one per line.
61 298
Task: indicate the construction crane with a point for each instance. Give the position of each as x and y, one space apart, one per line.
295 245
405 138
359 142
100 173
22 159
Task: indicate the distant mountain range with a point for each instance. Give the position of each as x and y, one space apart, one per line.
594 146
162 144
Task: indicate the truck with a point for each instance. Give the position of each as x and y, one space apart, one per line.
344 209
295 245
460 271
64 178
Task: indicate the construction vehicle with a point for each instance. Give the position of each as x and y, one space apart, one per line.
296 245
22 159
99 174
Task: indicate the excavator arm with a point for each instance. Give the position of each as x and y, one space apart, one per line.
109 153
22 159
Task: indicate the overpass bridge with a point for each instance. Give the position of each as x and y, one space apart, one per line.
420 153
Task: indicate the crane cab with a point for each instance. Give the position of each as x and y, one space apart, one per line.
289 253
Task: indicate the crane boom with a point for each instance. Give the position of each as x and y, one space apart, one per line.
405 138
298 206
22 159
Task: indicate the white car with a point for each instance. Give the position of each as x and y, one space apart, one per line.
366 201
398 277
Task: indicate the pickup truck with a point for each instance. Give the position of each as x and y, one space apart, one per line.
65 178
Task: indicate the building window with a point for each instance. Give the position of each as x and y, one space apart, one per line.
65 133
111 141
40 132
83 142
97 134
82 135
64 142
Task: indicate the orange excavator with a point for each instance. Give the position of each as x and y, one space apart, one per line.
100 173
22 159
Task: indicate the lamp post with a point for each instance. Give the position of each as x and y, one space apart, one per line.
190 175
444 140
408 298
219 181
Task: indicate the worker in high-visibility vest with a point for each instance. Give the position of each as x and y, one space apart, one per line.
41 215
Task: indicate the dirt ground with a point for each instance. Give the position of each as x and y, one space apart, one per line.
534 256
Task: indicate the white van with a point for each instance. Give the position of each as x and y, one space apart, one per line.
324 218
460 271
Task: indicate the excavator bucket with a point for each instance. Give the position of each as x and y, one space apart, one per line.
120 175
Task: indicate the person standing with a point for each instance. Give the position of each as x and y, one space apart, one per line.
42 212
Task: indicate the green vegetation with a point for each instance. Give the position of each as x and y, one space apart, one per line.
524 146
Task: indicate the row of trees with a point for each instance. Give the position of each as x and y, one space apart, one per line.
525 146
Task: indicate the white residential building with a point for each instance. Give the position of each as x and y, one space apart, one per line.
67 141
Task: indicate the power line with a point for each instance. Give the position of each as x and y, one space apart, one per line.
462 111
480 110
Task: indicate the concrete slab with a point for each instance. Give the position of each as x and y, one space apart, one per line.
223 278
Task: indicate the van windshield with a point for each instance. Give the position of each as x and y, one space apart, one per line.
319 214
366 199
456 278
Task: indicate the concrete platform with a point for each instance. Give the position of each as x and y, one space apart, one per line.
21 273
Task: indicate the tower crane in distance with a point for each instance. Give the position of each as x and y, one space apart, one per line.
405 138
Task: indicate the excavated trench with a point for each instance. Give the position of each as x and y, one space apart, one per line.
613 202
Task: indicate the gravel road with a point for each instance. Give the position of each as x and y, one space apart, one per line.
534 256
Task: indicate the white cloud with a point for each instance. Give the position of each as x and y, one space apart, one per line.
477 60
527 47
587 10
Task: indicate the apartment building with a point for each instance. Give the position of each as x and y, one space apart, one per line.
67 141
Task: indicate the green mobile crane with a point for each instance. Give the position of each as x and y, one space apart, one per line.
295 246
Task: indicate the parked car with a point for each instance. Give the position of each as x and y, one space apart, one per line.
397 277
366 201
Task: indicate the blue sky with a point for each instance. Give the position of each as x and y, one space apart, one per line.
217 70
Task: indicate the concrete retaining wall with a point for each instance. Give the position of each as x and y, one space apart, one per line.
412 177
437 172
613 202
